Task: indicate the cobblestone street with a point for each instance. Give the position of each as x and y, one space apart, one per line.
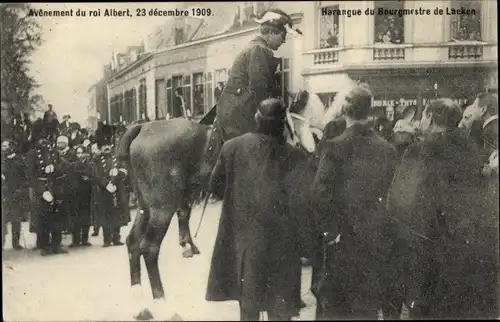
93 283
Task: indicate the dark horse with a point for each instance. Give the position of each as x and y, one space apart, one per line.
169 162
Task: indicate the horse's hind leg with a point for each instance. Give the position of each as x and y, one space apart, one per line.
185 239
150 246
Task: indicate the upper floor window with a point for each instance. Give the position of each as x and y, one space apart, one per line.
178 36
249 9
389 28
328 28
466 27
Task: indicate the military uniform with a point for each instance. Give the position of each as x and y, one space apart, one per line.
47 174
110 208
251 81
13 196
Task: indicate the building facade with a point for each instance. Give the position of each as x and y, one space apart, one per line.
406 58
97 108
195 55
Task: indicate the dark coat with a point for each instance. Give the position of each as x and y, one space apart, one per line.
385 128
350 187
256 251
250 82
15 200
108 209
55 182
443 228
81 191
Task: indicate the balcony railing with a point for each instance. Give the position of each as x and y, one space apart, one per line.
388 52
326 56
465 51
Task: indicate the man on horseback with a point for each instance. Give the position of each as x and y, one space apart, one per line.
252 77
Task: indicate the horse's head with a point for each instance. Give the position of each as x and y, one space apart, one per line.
406 128
304 120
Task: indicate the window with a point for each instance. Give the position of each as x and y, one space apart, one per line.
170 96
466 27
184 83
328 28
143 98
389 29
198 95
220 78
208 92
178 36
133 99
248 11
160 99
121 106
286 79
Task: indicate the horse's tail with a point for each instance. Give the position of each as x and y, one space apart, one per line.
123 154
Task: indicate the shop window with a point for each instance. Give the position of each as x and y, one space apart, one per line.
328 28
160 99
198 95
143 98
466 27
389 28
208 91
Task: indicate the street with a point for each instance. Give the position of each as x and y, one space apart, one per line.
93 283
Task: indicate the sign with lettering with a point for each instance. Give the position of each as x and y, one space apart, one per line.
404 102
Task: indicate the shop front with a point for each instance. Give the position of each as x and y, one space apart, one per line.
403 88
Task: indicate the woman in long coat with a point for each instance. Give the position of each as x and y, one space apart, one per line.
443 225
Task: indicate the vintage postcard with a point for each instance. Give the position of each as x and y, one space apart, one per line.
286 160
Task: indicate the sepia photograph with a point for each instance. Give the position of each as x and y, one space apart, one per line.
250 161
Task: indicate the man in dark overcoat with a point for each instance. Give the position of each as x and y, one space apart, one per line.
110 198
252 77
47 174
67 157
350 187
80 199
14 182
444 226
256 255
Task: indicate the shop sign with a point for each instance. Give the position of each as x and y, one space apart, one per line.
404 102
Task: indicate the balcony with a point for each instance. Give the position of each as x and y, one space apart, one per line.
325 56
465 50
388 52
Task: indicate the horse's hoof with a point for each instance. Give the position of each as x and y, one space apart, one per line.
188 253
196 251
144 315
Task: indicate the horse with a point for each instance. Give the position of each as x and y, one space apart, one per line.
169 164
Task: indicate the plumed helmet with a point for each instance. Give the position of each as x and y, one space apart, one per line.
279 19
